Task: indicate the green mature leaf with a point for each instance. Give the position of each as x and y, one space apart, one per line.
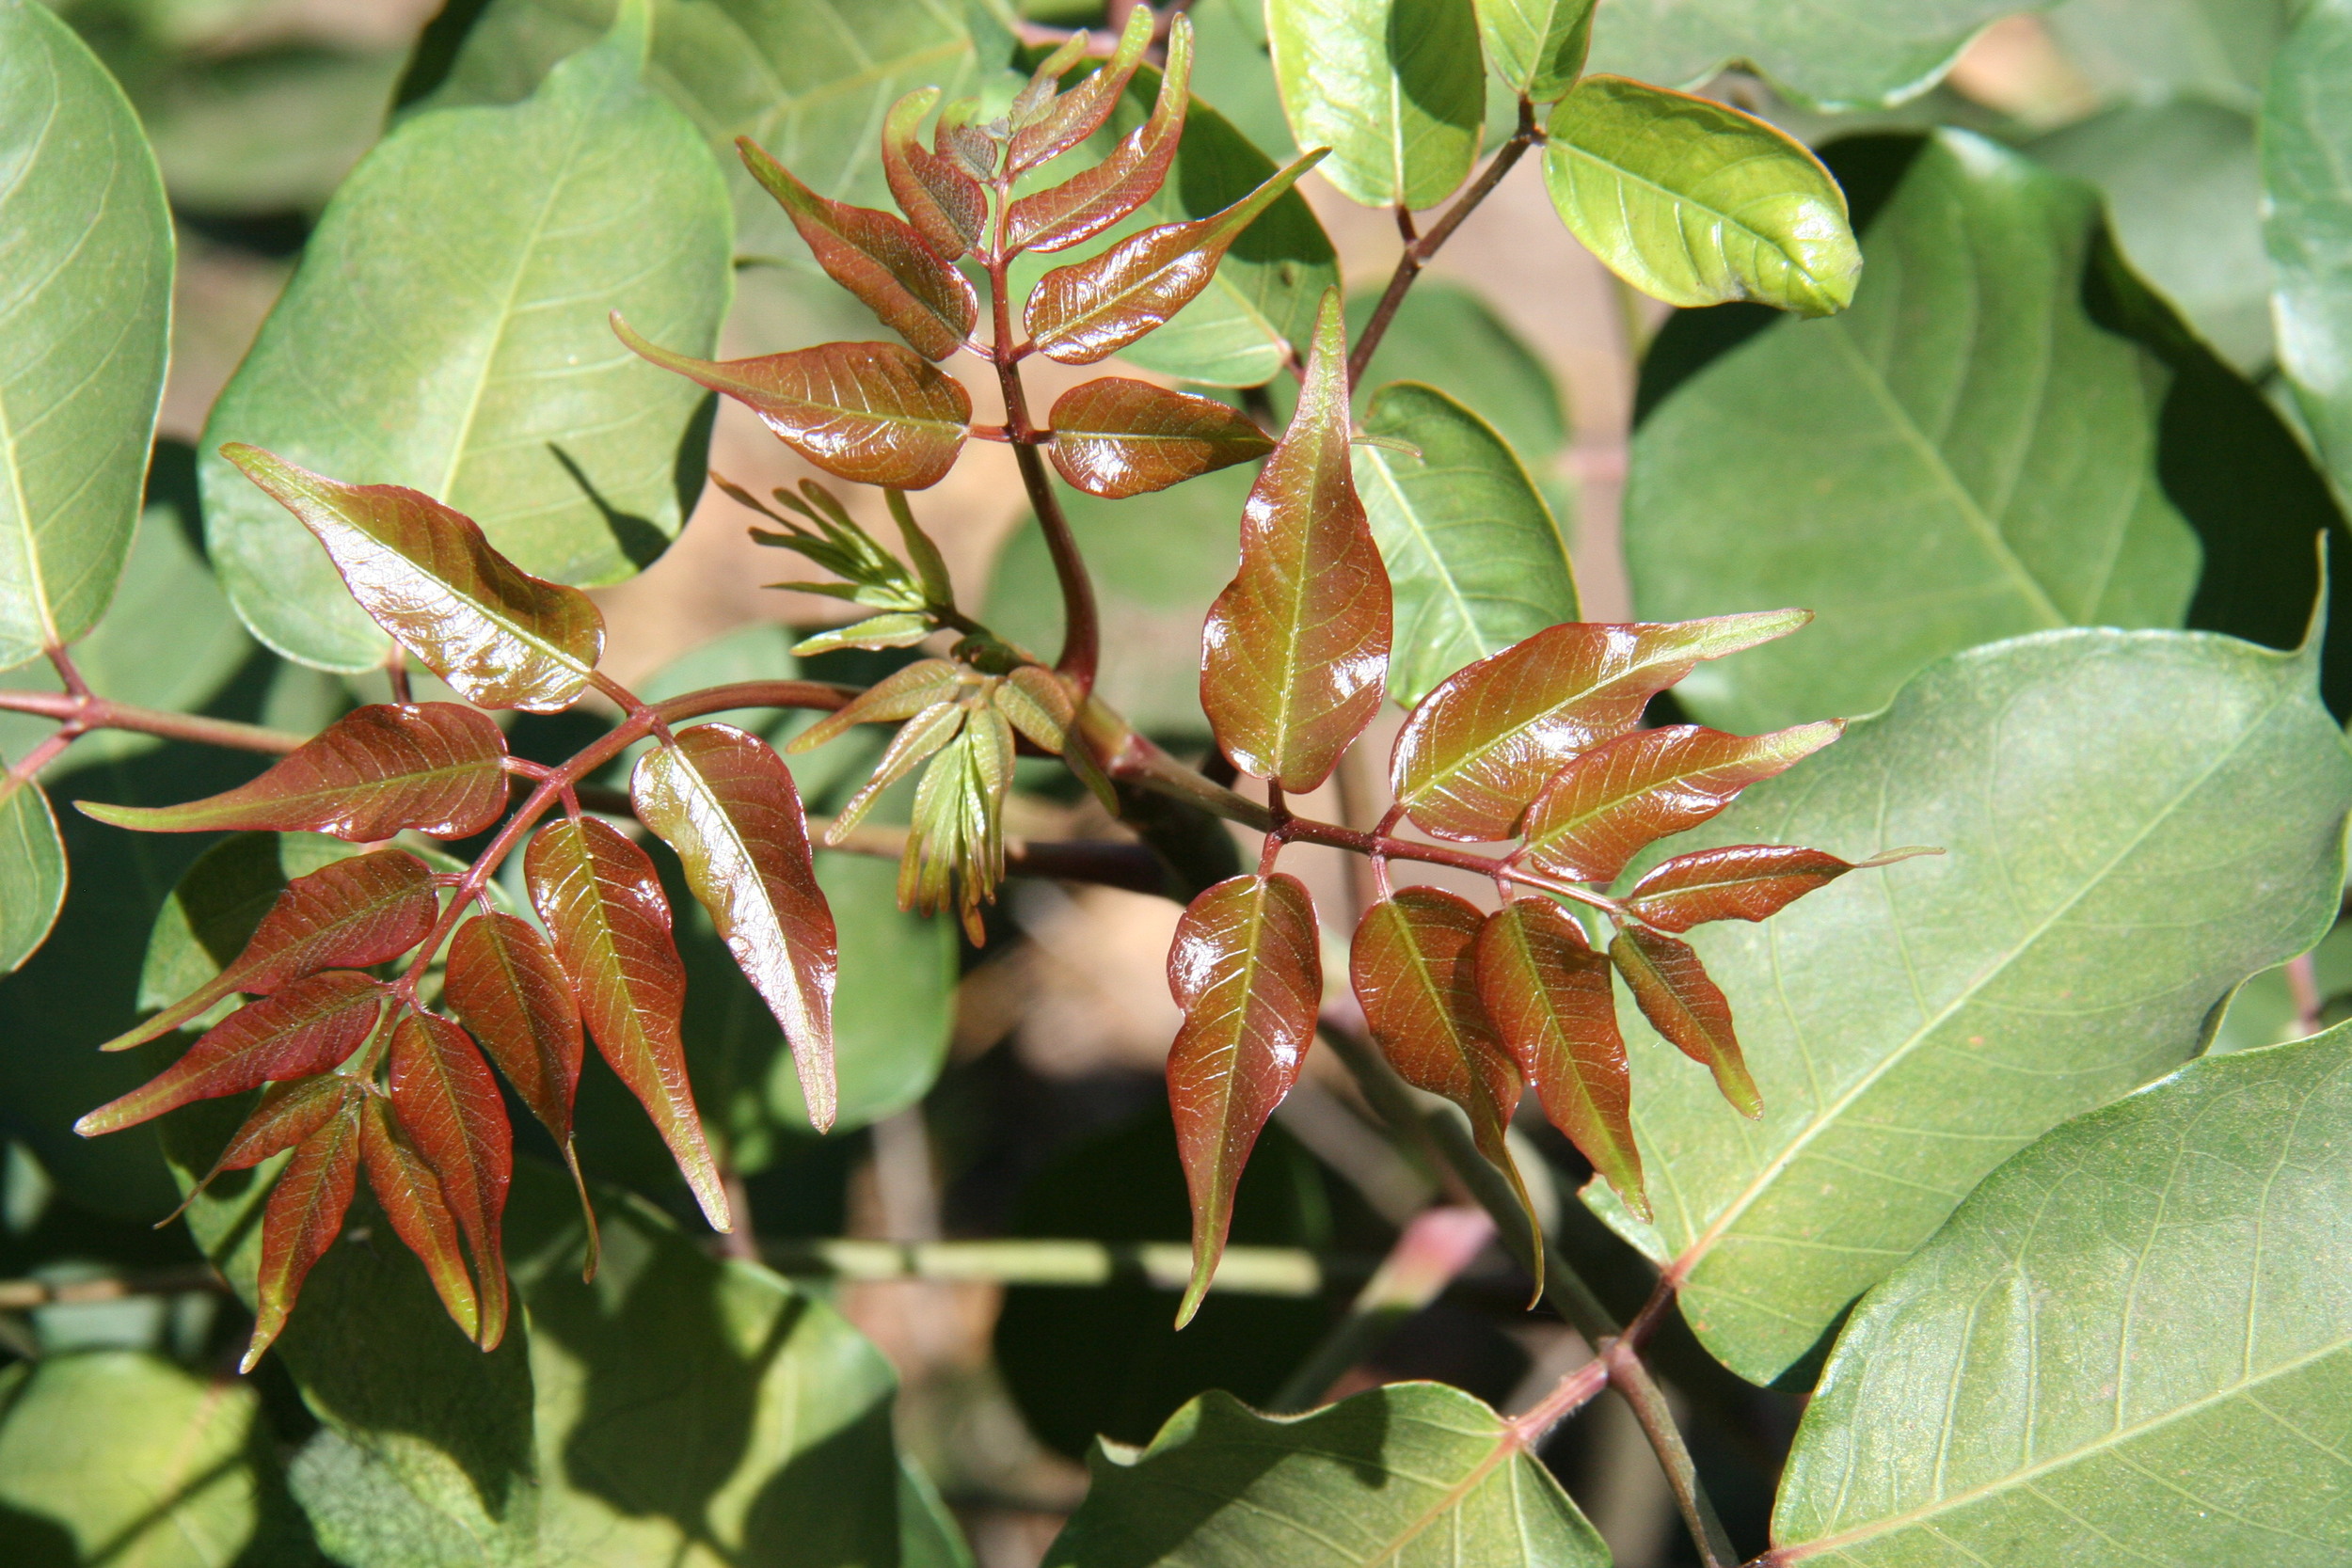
1394 87
1695 203
2183 183
811 81
681 1412
1258 309
32 871
445 331
2132 1344
114 1456
2215 50
1964 455
1832 54
1475 558
928 1536
2306 132
85 322
2133 823
1414 1474
1536 47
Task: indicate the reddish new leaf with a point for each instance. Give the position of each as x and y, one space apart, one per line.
306 1028
412 1198
1092 199
1117 437
501 636
948 207
1548 995
505 986
876 413
1058 123
1625 794
1480 748
450 1107
1411 965
288 1114
1090 310
1247 971
351 913
304 1215
876 256
1740 881
727 804
432 766
604 907
1295 648
1681 1002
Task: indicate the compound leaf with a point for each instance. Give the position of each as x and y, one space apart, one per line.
85 316
610 924
445 332
1479 748
874 413
2134 822
1550 997
427 573
436 768
1115 437
1670 987
876 256
726 802
2131 1345
1474 553
1246 969
1623 794
450 1107
1295 648
1395 90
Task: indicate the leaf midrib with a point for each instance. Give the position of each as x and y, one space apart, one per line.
1700 1247
37 580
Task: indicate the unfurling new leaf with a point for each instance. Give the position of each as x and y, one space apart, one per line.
1117 437
1046 123
1625 794
1550 997
426 574
604 907
1246 968
436 768
948 207
1480 748
1295 649
727 804
874 413
1413 973
1092 199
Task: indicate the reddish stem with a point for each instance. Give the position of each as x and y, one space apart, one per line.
92 712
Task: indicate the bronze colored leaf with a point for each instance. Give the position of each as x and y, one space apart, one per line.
1246 968
1740 881
948 207
876 256
289 1112
411 1197
1413 972
308 1027
1675 993
1060 122
1295 649
1090 310
1480 747
432 766
604 907
876 413
1117 437
1623 794
1548 995
1092 199
352 912
727 804
304 1215
450 1107
501 636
